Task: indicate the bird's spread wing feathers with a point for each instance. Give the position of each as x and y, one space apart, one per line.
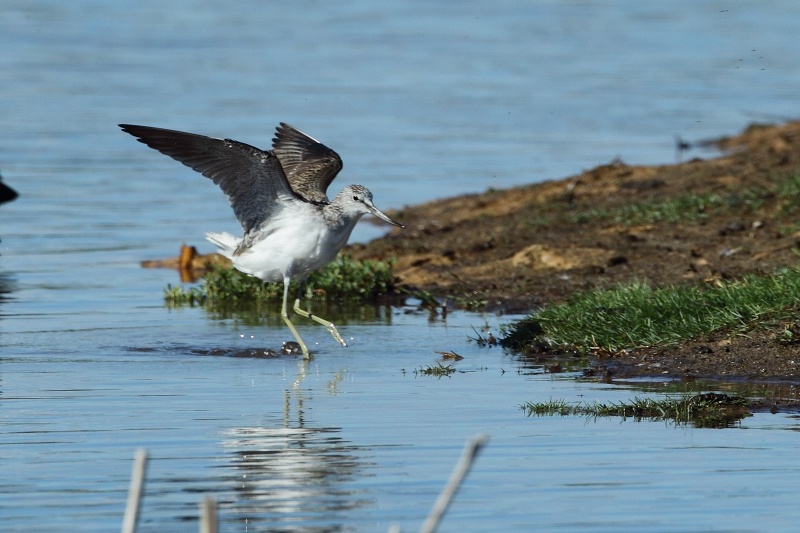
251 178
309 165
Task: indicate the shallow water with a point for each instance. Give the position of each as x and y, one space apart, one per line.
422 102
357 438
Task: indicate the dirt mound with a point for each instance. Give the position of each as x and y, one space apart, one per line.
537 244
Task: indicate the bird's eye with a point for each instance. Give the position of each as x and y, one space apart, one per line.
355 198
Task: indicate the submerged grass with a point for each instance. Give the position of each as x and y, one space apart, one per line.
701 410
344 278
636 315
438 371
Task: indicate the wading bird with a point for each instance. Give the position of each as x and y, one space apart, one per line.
291 228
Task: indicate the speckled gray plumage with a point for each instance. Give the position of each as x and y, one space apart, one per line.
309 165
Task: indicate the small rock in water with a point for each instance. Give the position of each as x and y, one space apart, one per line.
291 348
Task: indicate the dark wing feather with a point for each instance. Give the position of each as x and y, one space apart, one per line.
309 165
251 178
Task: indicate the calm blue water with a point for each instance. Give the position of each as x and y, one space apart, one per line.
422 100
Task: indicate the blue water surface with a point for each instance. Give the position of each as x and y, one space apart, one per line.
423 100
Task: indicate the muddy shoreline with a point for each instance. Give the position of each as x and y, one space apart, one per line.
521 248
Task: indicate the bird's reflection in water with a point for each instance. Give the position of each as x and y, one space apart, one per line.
290 476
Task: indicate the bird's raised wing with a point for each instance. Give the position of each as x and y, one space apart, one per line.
251 178
309 165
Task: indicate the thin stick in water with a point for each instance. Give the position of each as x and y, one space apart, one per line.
135 491
471 450
208 515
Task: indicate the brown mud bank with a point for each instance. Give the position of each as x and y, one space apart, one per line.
529 246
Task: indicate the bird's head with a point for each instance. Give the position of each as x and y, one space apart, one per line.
356 200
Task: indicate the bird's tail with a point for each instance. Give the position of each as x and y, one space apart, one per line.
226 242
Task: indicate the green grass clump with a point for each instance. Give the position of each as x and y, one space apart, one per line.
347 278
181 297
702 410
344 278
636 315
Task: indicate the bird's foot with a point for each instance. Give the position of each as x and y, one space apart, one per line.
335 334
329 325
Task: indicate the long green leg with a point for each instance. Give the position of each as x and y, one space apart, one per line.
329 325
285 316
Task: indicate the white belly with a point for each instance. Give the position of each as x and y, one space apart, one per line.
291 249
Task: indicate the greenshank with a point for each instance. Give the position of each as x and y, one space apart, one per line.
291 228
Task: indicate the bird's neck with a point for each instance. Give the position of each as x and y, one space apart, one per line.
338 220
